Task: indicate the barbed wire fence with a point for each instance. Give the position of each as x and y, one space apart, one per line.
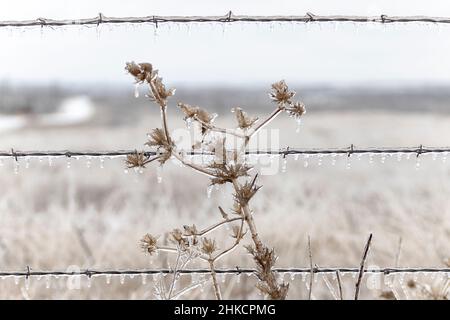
349 151
231 271
229 17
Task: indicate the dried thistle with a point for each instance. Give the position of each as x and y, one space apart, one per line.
244 121
158 139
148 244
280 93
178 238
296 110
228 172
246 192
161 91
265 259
198 114
190 230
238 233
136 160
208 246
141 72
237 209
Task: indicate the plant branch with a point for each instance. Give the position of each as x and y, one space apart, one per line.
361 268
311 277
235 244
214 279
218 129
213 227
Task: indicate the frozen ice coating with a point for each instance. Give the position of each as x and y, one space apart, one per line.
171 37
113 186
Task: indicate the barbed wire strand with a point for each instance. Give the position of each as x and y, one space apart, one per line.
235 271
227 18
284 152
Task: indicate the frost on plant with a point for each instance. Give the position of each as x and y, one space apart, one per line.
191 243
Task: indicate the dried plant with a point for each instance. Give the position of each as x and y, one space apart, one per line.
227 167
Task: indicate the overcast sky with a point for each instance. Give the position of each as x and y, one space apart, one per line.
234 55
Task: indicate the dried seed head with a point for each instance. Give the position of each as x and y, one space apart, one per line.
237 208
161 90
228 172
296 110
136 160
148 244
246 192
265 259
237 233
198 114
208 246
176 237
244 121
158 139
141 72
280 92
190 230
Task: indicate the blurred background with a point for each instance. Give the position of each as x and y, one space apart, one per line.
370 85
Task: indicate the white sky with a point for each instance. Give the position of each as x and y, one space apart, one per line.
207 54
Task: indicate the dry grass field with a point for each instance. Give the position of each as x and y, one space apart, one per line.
55 217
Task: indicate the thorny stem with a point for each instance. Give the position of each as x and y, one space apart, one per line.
192 165
175 274
219 129
235 244
271 280
267 120
214 279
213 227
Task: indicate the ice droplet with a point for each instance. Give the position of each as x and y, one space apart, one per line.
299 122
417 163
88 162
27 163
284 165
108 279
27 283
89 282
238 278
47 282
102 162
159 174
16 280
136 90
50 161
349 163
292 276
319 160
144 278
68 163
122 278
296 156
209 191
16 167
